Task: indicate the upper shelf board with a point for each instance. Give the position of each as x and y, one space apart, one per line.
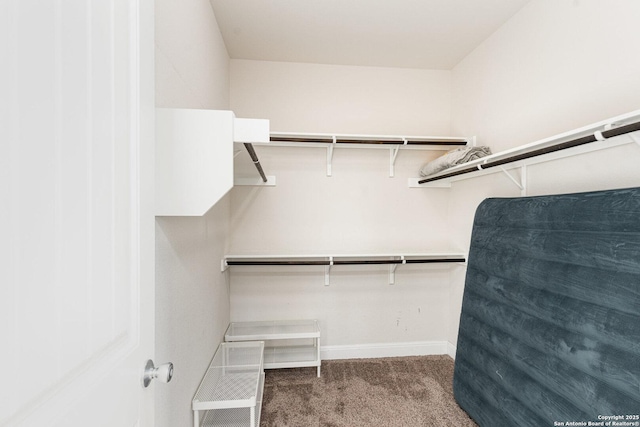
288 139
441 179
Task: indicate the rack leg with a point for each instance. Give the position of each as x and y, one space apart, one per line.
318 354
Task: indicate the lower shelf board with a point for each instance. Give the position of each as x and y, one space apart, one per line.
290 357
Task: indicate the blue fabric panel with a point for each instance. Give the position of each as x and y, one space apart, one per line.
550 324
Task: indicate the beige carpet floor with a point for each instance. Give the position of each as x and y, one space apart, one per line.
387 392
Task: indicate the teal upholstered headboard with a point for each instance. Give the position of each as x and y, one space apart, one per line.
550 324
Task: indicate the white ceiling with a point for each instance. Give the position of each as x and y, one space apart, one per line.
429 34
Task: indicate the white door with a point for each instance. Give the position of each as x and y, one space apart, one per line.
76 219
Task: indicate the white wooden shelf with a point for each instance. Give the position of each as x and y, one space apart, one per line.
231 391
613 132
328 261
393 143
288 343
293 139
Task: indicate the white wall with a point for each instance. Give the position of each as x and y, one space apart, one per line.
192 63
555 66
192 296
192 305
342 99
359 209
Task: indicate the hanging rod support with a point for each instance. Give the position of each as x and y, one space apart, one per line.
256 161
598 135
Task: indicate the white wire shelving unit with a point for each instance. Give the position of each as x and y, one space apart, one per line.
288 343
230 393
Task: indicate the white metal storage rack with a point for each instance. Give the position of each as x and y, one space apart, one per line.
231 391
288 343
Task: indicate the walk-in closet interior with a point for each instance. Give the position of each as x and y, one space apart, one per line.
318 209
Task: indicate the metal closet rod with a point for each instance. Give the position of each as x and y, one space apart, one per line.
350 262
256 161
321 140
621 130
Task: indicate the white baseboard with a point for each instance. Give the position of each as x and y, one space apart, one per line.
451 350
368 351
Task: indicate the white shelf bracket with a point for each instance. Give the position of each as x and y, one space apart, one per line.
223 265
392 270
520 184
327 272
330 156
393 154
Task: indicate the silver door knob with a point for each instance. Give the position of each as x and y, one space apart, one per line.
163 372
